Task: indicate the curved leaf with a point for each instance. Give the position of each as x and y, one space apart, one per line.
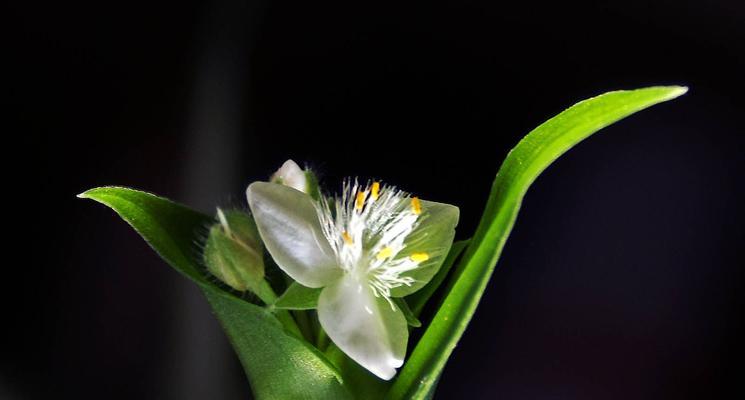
168 228
278 364
522 166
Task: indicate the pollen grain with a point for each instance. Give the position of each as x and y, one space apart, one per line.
359 203
347 238
375 190
419 257
416 205
384 253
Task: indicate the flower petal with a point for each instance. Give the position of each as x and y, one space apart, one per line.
429 242
290 174
368 329
288 224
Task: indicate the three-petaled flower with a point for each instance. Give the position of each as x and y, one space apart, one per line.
364 248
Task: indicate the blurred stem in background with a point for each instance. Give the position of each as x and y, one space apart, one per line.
202 363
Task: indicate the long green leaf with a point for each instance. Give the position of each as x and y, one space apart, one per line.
278 364
522 166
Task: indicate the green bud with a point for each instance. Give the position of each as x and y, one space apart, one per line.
312 185
233 252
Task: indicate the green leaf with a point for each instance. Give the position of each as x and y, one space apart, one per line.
419 299
298 297
168 228
278 366
361 382
277 363
522 166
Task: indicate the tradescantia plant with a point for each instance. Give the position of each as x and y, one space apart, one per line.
366 248
317 293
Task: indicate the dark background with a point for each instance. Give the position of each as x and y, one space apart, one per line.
622 279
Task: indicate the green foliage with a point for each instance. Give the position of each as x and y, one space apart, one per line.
279 364
418 378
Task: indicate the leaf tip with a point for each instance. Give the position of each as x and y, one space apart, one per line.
91 194
97 192
85 195
676 91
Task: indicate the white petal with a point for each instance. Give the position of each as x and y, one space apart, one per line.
365 328
290 174
432 237
288 224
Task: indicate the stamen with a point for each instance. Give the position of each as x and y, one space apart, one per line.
360 202
346 237
373 222
385 253
375 190
416 205
419 257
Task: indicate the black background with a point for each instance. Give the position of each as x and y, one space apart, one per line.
622 279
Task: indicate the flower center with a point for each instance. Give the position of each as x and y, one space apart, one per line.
367 227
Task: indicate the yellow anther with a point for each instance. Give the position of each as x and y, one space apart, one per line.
416 205
419 257
347 238
375 190
385 253
360 202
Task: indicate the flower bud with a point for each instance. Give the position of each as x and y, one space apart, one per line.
290 174
233 252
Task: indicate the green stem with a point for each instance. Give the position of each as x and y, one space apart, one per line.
304 323
265 292
322 341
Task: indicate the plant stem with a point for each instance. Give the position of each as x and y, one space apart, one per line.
322 341
265 292
305 326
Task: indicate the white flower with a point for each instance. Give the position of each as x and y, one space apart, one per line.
290 174
370 245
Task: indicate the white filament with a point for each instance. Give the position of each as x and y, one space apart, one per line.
358 235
